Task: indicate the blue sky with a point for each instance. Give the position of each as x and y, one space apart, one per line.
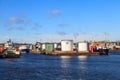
54 20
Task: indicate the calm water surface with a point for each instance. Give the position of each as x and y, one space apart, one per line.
42 67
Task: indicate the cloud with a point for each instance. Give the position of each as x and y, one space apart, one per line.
55 12
62 33
19 20
16 20
16 23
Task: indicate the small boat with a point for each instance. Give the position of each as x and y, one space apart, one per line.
10 53
104 51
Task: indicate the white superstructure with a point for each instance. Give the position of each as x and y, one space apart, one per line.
23 47
8 44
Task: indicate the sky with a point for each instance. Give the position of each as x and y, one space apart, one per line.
56 20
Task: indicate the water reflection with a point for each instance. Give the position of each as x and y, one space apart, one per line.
82 57
65 57
65 61
82 63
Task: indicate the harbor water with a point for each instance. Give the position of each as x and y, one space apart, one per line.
46 67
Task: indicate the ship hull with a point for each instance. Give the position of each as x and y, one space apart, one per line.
10 56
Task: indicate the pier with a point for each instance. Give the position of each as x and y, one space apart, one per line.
70 53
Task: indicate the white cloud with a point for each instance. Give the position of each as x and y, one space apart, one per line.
55 12
15 20
14 23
